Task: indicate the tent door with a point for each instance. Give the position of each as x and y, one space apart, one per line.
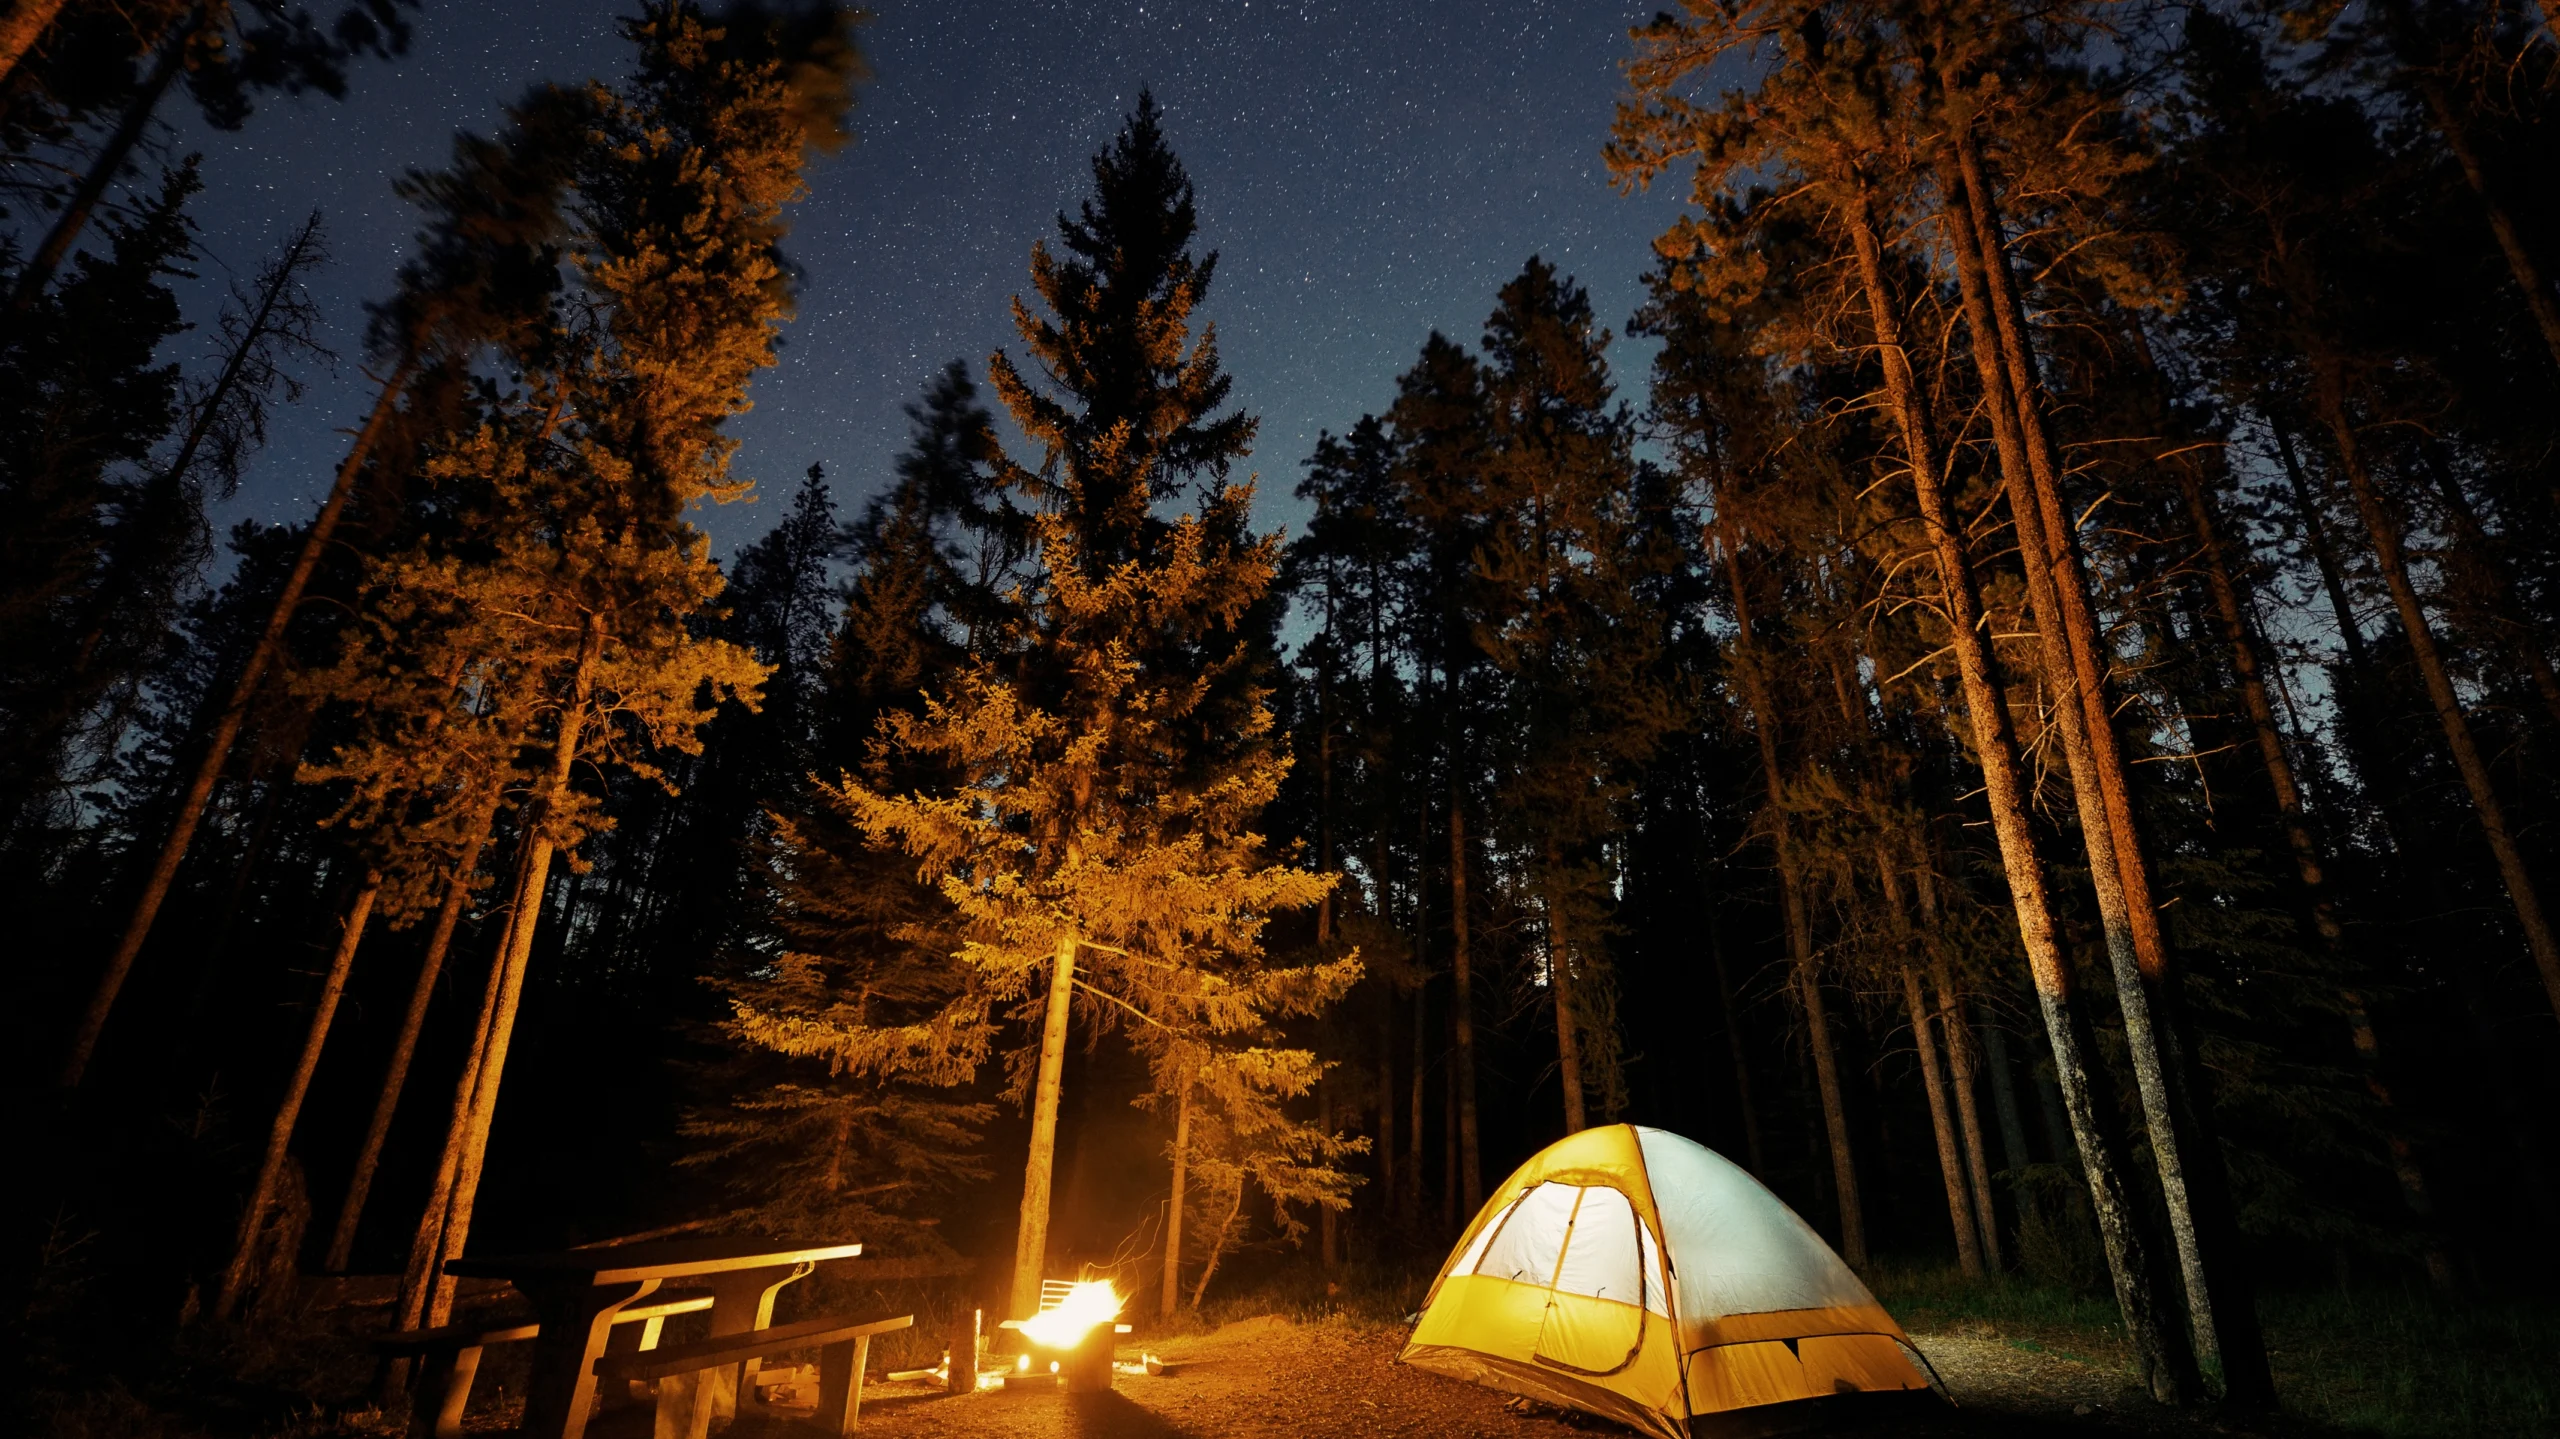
1594 1322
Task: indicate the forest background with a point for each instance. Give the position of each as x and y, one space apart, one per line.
2024 724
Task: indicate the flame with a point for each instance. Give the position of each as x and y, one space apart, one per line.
1086 1305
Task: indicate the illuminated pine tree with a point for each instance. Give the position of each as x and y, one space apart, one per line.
1122 770
580 576
1081 856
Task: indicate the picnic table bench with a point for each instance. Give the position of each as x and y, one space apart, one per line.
684 1372
448 1356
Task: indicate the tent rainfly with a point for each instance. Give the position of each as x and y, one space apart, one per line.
1645 1278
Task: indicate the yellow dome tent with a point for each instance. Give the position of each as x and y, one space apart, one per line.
1645 1278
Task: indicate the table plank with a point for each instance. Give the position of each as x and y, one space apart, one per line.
652 1259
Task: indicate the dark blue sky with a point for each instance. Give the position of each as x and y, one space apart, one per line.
1369 171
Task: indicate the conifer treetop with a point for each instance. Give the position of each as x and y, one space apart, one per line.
1126 418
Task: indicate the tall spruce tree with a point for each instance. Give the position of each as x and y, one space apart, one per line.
1106 784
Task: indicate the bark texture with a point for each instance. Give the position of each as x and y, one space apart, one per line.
1172 1292
2165 1367
1031 1241
532 885
404 1049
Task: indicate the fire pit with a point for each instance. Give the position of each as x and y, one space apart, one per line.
1072 1335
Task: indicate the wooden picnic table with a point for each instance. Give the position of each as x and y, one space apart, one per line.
576 1292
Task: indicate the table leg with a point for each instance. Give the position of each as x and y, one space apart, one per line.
628 1337
741 1300
840 1367
439 1391
684 1408
576 1317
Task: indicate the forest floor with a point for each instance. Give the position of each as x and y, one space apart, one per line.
1305 1360
1268 1377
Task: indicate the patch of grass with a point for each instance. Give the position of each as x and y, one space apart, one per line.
2396 1365
2036 1317
2376 1363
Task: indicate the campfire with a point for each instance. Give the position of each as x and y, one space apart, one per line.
1072 1335
1085 1305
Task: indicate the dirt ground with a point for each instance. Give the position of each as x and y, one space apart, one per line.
1269 1378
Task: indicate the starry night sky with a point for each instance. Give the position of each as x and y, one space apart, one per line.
1369 171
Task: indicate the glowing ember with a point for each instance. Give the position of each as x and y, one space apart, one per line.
1086 1305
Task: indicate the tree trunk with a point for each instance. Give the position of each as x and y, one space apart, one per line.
1462 1015
1218 1249
1960 1076
1411 1204
1449 1183
287 269
1942 1122
2520 259
21 28
2175 1107
2308 867
2004 1095
2506 612
1031 1243
1388 1191
2163 1365
1943 1125
1765 721
1413 1130
1568 1040
1324 781
2384 532
404 1048
1960 1071
1835 1115
2489 1046
1751 1145
1328 1226
2315 530
107 163
533 886
419 1280
1172 1292
262 1194
225 732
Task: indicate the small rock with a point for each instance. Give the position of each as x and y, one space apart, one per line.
2080 1411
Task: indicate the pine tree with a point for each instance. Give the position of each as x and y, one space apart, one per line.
864 984
1439 418
485 270
586 573
1354 566
98 549
1562 567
